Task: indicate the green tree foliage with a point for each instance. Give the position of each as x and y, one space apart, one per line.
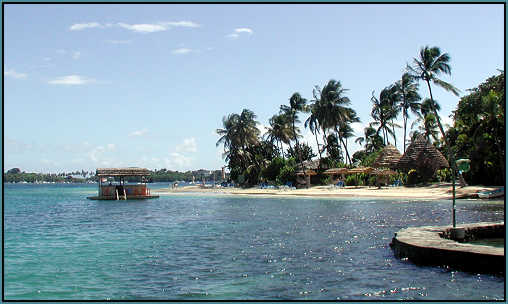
302 151
479 131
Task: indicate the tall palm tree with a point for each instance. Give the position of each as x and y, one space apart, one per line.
382 113
312 123
296 104
334 110
427 67
238 134
408 89
279 131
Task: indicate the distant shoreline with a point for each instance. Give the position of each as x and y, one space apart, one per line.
433 192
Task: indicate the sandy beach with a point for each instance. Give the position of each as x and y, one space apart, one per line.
439 191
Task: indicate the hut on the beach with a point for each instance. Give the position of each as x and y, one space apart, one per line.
387 158
303 177
422 156
336 174
113 184
367 170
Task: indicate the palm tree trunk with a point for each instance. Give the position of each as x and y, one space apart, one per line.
297 147
345 146
394 137
319 150
405 123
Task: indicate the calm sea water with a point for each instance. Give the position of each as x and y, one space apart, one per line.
61 246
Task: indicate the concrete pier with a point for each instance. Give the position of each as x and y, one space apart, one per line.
434 245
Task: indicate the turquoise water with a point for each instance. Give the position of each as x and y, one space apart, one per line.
61 246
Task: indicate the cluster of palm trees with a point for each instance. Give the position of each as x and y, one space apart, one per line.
331 116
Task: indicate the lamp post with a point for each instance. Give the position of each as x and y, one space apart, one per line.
463 166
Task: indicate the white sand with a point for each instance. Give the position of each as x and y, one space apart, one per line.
439 191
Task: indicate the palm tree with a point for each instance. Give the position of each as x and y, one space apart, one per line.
239 133
427 67
408 89
371 139
312 123
381 113
296 104
334 111
279 131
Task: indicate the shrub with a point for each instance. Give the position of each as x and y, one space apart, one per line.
351 180
287 174
412 177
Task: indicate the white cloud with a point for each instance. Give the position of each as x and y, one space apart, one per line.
82 26
111 147
76 54
238 31
71 80
262 128
180 24
188 145
181 51
143 28
138 132
139 28
244 30
178 160
12 73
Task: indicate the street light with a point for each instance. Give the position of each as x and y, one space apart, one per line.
463 166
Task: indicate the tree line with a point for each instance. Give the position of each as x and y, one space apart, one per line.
477 133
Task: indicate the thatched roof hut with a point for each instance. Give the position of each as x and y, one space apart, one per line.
336 171
384 172
131 171
422 153
360 170
309 164
387 158
307 172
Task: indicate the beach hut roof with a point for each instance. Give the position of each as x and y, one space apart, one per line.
384 172
422 151
307 172
336 171
387 158
360 170
309 164
131 171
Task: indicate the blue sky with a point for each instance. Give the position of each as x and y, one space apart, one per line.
90 86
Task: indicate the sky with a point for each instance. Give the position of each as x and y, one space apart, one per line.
122 85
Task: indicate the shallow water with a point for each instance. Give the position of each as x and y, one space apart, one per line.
61 246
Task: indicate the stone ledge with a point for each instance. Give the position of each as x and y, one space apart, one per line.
427 246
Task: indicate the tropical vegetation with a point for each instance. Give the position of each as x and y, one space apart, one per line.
477 132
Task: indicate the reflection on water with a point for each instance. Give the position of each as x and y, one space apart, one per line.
59 245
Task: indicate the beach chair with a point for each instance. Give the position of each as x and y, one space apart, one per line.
396 183
339 184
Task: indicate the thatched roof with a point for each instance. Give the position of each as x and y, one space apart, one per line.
360 170
384 172
420 152
131 171
307 172
334 171
387 158
309 164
